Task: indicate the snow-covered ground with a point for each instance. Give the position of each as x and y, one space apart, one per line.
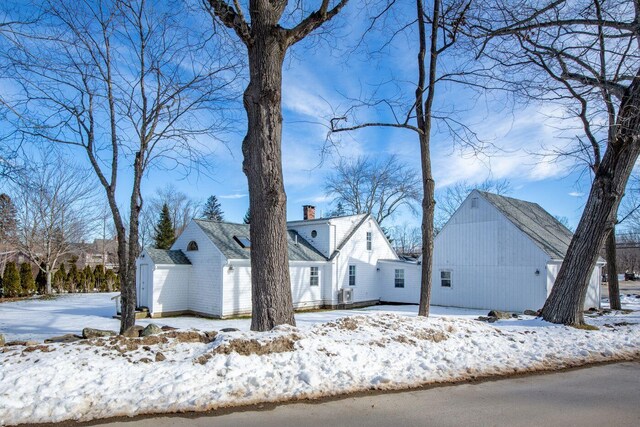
385 347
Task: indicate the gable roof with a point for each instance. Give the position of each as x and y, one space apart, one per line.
167 257
222 233
539 225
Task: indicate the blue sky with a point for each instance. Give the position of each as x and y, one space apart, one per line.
316 83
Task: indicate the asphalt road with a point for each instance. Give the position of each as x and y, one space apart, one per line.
600 395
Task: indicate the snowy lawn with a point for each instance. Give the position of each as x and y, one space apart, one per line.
379 348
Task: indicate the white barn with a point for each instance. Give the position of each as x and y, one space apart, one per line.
501 253
334 262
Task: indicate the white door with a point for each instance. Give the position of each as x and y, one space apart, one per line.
143 295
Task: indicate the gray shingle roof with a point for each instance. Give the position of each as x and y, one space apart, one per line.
167 257
221 234
541 227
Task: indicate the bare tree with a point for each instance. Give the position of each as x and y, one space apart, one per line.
450 198
584 55
182 209
54 211
439 31
267 40
406 240
375 186
131 84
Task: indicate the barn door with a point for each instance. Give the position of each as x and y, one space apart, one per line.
143 295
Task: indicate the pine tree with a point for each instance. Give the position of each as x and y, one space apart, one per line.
11 281
247 217
213 210
41 281
339 210
99 278
87 282
7 217
165 233
27 283
59 278
72 277
111 280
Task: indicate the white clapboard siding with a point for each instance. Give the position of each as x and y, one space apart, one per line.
205 286
237 286
410 293
493 264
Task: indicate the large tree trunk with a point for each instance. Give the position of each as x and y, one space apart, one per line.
612 273
566 300
270 282
428 207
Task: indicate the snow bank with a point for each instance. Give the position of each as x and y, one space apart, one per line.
108 377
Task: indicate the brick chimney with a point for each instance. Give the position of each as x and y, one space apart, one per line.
308 212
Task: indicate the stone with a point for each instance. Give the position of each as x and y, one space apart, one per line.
168 328
1 340
133 332
487 319
160 357
63 338
23 343
96 333
500 314
229 330
151 329
530 313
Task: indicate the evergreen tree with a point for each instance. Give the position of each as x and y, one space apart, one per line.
99 278
111 280
87 280
72 277
165 233
213 210
11 280
339 210
27 282
247 217
7 217
41 281
59 278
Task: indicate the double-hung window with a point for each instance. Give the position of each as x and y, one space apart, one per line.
352 275
369 238
314 278
445 279
399 278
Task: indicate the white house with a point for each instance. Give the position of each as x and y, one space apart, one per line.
501 253
333 262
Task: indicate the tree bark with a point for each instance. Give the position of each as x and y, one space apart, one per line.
270 281
566 300
612 273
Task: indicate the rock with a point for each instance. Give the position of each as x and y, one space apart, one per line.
500 314
168 328
530 313
23 343
96 333
63 338
145 360
151 329
229 330
160 357
133 332
1 340
487 319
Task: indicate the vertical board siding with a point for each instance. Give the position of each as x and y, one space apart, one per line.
170 289
592 298
493 264
205 285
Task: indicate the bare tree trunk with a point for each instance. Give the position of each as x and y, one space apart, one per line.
270 281
565 303
612 267
47 289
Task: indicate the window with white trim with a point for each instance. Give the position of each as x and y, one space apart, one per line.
192 246
445 278
369 239
352 275
399 278
314 278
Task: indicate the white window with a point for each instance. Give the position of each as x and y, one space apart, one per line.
369 236
399 278
313 278
352 275
474 202
192 246
445 279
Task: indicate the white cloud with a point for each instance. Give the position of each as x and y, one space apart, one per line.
576 194
233 196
